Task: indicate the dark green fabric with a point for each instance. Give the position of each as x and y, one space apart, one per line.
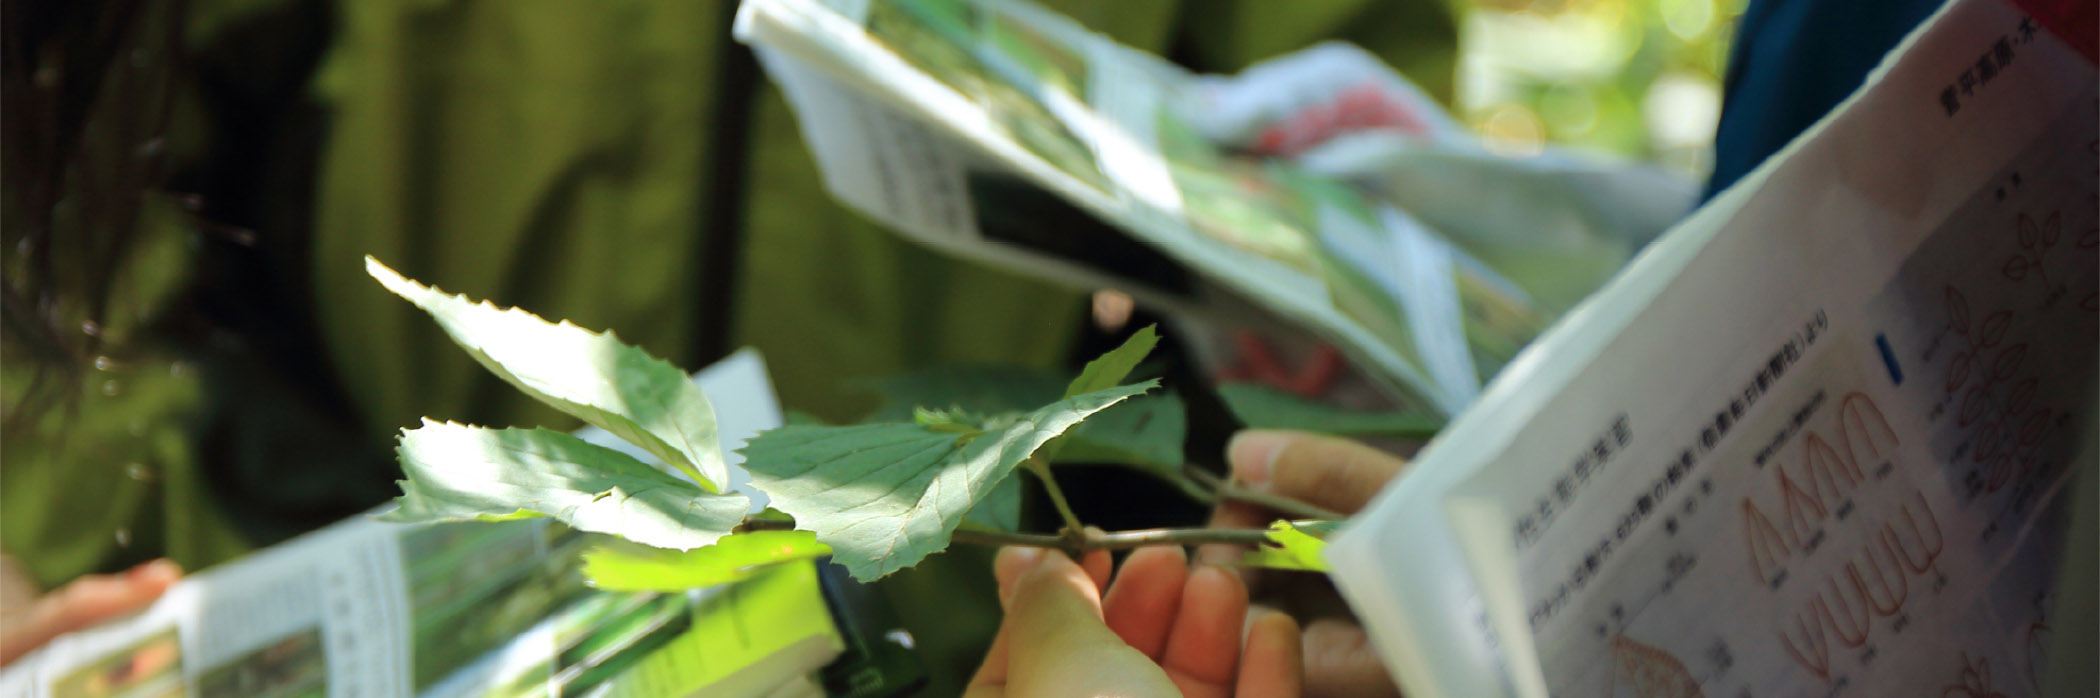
558 156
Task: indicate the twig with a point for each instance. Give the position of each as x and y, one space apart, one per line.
1291 508
1200 492
1118 540
1090 540
1073 529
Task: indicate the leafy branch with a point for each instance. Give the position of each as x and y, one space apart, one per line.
876 497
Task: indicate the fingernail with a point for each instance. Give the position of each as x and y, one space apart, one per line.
1022 557
1252 454
162 568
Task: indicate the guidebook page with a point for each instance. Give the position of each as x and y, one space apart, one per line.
1831 417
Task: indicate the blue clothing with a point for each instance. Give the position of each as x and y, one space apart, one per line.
1792 62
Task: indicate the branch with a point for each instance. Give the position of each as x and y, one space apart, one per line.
1093 540
1119 540
1230 491
1194 490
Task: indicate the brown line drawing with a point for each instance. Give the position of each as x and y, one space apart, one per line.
1851 627
1817 659
1929 546
1853 419
1889 601
1973 682
1764 540
1800 509
1830 471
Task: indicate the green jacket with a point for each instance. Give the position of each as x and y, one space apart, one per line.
620 164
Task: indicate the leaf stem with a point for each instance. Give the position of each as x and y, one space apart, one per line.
1200 492
1229 491
1073 529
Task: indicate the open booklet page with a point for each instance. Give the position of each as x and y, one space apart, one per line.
1813 442
368 608
1001 132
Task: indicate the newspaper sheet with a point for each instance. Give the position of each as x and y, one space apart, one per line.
1000 132
1813 442
367 608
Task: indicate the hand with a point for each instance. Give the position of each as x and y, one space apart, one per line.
1162 630
1339 475
83 603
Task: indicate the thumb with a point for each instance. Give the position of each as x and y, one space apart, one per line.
1060 646
1325 471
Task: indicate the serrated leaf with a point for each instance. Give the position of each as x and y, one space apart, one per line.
1109 370
884 496
594 377
459 472
1000 509
621 567
1259 406
1293 546
1145 431
980 389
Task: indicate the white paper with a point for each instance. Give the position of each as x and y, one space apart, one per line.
1749 466
339 610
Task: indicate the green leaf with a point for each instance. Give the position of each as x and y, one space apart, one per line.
591 376
884 496
1109 370
459 472
616 566
980 389
1145 431
1293 546
1000 509
1263 407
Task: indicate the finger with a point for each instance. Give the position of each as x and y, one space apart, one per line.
90 600
1059 645
1273 663
1098 564
1141 605
1232 515
991 673
1203 649
1009 565
1012 561
1324 471
1340 661
1007 568
1112 309
86 602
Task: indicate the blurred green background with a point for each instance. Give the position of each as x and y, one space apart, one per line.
1636 78
1639 78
